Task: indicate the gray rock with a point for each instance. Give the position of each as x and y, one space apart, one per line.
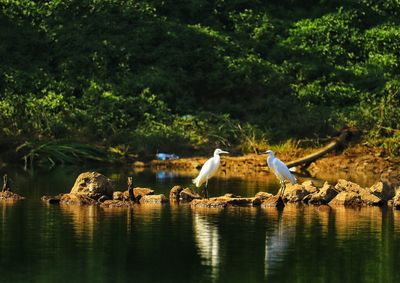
382 190
230 195
347 199
295 193
371 199
263 195
93 185
396 199
224 201
77 199
153 199
188 195
138 193
118 195
174 193
209 203
10 196
116 204
347 186
310 186
52 199
324 195
364 195
274 201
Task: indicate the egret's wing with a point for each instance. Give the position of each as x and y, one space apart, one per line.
213 167
207 167
202 177
283 171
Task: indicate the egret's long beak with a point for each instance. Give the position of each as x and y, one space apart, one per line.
224 152
262 153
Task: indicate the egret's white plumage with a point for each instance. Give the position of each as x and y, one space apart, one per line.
280 170
209 169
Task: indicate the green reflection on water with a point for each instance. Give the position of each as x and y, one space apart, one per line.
173 243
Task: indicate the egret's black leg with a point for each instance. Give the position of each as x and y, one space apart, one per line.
283 188
206 189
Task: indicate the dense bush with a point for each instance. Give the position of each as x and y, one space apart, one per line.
157 75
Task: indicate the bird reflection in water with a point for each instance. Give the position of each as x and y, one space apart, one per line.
277 243
207 241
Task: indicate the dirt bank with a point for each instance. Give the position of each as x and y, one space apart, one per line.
363 164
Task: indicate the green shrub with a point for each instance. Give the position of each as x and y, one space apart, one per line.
142 76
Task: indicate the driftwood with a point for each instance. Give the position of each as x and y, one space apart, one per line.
6 184
130 188
306 161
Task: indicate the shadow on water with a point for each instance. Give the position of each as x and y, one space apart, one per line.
174 243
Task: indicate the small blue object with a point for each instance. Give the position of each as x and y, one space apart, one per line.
166 156
162 175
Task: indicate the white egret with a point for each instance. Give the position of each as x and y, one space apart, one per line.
280 170
209 169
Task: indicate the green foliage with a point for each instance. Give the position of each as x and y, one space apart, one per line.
200 131
333 37
61 152
142 76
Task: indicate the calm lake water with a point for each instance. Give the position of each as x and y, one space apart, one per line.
173 243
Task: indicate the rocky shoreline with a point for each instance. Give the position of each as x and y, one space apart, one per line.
356 161
384 172
6 194
92 188
10 196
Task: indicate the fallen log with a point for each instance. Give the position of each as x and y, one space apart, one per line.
6 184
336 141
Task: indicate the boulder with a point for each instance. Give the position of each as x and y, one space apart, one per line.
127 195
52 199
324 195
309 186
347 186
382 190
117 195
367 196
188 195
263 195
209 203
153 199
230 195
224 201
274 201
239 201
92 184
396 199
116 204
371 199
77 199
121 195
174 193
295 193
138 193
10 196
347 198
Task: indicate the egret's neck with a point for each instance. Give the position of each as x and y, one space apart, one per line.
216 156
270 157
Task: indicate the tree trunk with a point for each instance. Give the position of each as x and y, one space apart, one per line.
305 161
